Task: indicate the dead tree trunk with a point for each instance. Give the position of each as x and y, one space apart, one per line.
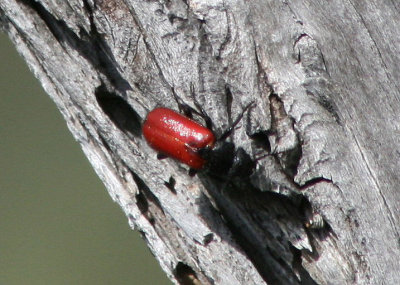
325 79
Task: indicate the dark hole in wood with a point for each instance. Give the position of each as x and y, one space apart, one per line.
291 160
208 238
119 111
185 275
171 184
142 203
261 140
229 99
146 199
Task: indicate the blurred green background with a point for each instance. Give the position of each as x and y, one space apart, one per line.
57 223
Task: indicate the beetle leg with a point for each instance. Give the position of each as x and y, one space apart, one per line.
161 156
183 107
187 110
192 172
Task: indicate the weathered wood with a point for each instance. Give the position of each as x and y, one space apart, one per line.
324 76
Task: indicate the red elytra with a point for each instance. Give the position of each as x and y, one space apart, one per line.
177 136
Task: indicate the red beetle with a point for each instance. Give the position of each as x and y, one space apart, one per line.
177 136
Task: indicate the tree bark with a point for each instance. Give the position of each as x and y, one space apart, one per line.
324 131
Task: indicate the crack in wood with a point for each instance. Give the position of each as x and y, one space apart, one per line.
119 111
91 46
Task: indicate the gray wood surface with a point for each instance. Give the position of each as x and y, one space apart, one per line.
325 79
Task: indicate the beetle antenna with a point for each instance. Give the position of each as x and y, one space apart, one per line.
230 129
201 112
259 157
178 100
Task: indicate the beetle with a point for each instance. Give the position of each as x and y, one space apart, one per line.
179 137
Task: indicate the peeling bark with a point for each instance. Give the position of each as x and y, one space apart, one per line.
322 205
